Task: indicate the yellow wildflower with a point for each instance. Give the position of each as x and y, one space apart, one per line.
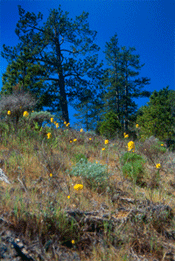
73 242
162 144
70 141
81 130
90 139
106 141
103 149
50 174
78 187
126 135
32 111
68 197
51 119
96 162
55 122
158 166
75 140
25 114
57 125
137 125
9 112
65 122
131 146
49 135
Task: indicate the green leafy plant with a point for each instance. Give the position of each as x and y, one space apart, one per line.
78 157
133 166
94 174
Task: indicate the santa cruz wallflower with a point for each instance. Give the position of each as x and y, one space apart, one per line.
25 114
81 130
106 141
103 149
9 112
75 140
57 125
131 146
158 166
49 135
137 125
51 119
78 187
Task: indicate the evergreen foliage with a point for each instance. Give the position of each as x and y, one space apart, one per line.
109 126
60 74
121 79
157 117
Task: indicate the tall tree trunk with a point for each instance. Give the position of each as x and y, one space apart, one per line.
126 103
63 99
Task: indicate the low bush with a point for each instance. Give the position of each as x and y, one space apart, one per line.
94 174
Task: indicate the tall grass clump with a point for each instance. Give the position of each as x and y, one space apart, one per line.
94 174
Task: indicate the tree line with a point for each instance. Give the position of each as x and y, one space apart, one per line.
58 64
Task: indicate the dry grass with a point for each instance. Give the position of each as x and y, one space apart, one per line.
36 205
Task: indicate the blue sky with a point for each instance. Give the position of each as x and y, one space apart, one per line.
147 25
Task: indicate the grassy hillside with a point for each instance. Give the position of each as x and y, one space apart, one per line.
124 210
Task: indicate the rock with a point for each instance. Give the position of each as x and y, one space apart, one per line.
3 177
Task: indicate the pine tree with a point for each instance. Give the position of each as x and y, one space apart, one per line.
65 50
157 117
121 80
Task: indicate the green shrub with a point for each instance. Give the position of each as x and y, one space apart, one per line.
109 126
78 157
94 174
39 118
132 166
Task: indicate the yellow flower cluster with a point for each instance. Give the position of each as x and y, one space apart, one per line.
51 119
125 135
158 166
25 114
81 130
78 187
9 112
137 125
131 146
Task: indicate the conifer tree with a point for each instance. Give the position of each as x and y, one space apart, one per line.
121 80
157 118
64 50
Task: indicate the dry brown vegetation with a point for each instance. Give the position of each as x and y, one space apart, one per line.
123 220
